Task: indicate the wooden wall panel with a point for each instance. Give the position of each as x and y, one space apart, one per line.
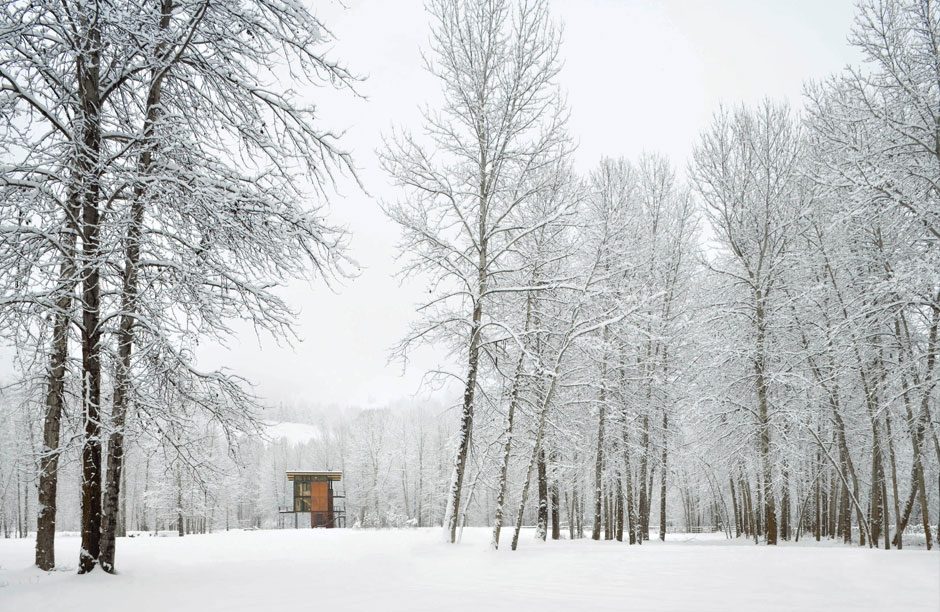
319 503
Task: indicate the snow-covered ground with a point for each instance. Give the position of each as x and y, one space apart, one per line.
351 570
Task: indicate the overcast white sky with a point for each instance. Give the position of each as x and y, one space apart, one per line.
640 76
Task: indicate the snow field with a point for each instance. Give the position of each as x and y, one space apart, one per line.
390 570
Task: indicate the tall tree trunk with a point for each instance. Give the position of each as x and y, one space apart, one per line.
125 335
918 482
466 426
845 516
542 529
884 517
734 506
844 524
608 516
618 509
644 522
628 470
832 499
89 171
473 354
770 511
785 504
877 471
863 524
510 420
532 463
18 516
925 410
504 469
420 494
894 473
628 478
572 503
556 519
122 510
179 503
55 399
599 457
785 493
662 478
817 527
759 507
598 469
750 510
545 403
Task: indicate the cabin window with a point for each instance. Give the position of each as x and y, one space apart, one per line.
301 496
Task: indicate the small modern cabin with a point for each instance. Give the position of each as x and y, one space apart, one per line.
314 493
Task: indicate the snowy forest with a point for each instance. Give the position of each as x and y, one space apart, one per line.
744 342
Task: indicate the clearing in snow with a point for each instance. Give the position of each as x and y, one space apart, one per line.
391 570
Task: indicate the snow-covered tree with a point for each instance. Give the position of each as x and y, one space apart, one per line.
476 166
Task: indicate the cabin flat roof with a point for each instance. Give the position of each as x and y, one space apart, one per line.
328 475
